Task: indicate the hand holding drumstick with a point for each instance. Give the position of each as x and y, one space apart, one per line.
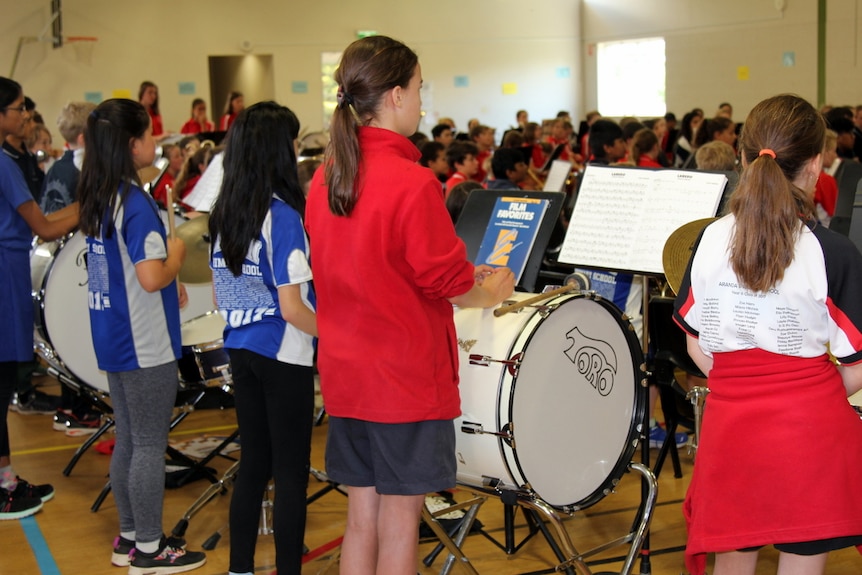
492 286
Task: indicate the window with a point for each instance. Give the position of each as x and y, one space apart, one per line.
631 78
328 64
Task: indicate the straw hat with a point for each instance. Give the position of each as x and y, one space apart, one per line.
677 250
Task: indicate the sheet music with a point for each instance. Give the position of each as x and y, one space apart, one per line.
557 176
205 192
623 216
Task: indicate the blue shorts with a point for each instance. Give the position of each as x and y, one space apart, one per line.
395 458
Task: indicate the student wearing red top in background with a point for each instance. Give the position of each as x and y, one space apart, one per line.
645 149
483 137
148 96
174 154
198 122
234 105
826 190
462 159
388 373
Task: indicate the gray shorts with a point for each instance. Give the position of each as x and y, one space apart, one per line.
395 458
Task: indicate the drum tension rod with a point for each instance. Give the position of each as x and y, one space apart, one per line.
477 359
478 429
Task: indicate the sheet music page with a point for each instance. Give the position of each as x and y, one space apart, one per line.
205 192
623 216
557 176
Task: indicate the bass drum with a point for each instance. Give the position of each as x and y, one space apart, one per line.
58 272
559 385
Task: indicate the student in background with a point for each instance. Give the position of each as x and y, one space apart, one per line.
198 122
234 105
462 159
434 158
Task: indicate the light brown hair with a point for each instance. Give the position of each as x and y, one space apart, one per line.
767 204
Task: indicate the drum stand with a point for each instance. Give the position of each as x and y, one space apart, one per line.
571 560
95 398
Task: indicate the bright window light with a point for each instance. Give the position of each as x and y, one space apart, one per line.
631 78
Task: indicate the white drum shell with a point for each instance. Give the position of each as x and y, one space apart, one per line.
62 335
572 440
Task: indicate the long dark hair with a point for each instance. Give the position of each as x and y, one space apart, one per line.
766 203
369 68
108 163
259 162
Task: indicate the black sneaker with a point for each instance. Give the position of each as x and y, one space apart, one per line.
82 426
35 403
168 559
61 416
27 490
120 557
13 506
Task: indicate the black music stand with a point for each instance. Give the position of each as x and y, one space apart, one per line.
477 212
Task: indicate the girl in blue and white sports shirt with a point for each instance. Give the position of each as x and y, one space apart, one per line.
135 322
262 283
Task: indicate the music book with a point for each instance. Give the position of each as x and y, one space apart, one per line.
511 233
623 215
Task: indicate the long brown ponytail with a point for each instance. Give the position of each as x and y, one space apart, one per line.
369 68
780 135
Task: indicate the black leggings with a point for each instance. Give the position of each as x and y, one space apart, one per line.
8 382
274 409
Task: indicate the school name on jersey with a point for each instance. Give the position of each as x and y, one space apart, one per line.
247 269
240 317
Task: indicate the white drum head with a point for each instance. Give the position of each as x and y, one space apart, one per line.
205 329
67 317
574 405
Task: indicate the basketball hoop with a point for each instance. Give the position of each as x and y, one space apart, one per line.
83 47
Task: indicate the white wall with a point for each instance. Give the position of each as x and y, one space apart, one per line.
492 42
709 40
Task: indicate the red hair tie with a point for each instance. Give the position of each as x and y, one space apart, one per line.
766 152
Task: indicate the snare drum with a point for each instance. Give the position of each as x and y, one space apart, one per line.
559 387
58 275
204 358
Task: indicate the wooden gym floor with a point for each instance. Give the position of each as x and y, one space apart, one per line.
75 540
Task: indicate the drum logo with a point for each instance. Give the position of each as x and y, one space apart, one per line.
594 359
466 344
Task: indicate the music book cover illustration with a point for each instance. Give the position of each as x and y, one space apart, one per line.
511 233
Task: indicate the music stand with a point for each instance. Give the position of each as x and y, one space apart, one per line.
477 213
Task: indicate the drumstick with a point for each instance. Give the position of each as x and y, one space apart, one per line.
535 299
172 225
